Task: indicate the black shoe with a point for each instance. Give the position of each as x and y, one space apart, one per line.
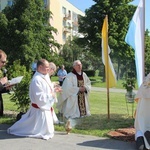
140 143
19 116
147 135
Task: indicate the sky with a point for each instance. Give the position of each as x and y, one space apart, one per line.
85 4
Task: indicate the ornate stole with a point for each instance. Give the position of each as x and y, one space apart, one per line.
81 97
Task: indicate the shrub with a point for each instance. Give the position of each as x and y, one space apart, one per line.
90 73
20 95
129 84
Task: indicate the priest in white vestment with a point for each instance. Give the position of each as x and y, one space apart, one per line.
73 102
39 120
142 118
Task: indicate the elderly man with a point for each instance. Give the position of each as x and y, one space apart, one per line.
73 102
39 120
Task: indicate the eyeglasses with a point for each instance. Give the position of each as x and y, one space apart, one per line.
4 62
53 69
79 65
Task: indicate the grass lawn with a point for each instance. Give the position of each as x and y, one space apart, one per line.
98 123
97 82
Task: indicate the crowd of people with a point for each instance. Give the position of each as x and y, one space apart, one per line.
72 102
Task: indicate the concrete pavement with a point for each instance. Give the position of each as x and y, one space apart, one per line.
61 141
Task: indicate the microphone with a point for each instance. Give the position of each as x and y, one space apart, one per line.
4 72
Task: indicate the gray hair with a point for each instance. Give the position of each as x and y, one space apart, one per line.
75 62
52 66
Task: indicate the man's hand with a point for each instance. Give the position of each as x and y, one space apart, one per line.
82 89
4 80
9 87
57 89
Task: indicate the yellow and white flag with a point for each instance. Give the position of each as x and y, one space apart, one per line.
109 70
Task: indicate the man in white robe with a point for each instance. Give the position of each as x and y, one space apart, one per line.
142 118
39 120
73 102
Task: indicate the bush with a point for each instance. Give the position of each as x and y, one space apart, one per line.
129 84
90 73
20 95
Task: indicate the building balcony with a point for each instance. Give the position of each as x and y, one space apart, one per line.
77 34
67 29
75 23
67 17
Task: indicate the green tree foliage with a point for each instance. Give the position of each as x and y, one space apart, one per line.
20 96
15 70
147 52
21 93
27 34
72 51
119 13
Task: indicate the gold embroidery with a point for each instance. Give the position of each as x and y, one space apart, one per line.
81 100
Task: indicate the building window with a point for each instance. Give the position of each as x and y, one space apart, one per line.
64 11
45 3
74 17
64 37
9 3
69 25
64 23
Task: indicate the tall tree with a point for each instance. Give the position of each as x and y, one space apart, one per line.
119 15
27 33
72 51
147 52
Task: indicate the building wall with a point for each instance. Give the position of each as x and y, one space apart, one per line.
64 18
56 21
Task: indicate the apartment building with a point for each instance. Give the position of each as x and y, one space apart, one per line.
64 19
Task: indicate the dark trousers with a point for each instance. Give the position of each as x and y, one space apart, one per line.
1 105
60 83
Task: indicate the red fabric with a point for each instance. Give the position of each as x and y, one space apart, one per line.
79 77
35 105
